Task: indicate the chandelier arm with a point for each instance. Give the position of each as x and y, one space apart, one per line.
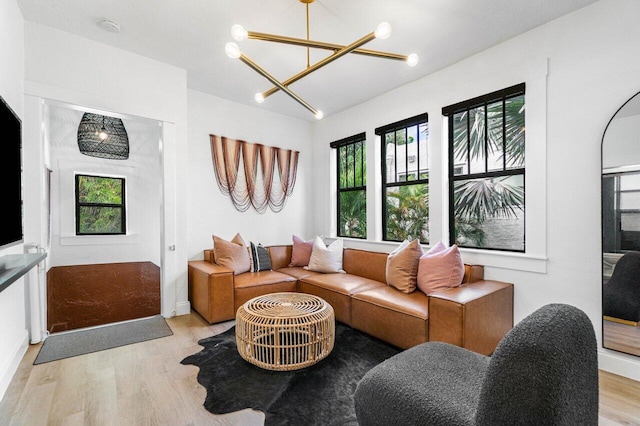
257 68
321 45
322 63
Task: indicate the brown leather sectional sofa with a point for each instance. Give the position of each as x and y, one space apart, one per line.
475 315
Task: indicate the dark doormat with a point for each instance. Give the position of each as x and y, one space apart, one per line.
318 395
80 342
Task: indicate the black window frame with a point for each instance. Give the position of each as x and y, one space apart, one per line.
382 132
121 206
360 138
468 105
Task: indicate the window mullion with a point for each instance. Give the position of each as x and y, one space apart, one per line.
395 157
504 134
486 138
468 141
406 154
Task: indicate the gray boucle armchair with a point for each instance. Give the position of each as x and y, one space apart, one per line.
543 372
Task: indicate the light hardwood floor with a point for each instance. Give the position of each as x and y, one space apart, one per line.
145 384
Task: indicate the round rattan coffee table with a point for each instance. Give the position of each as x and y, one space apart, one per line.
285 331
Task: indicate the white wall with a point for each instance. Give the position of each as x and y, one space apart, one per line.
142 175
593 58
620 147
209 211
13 324
61 67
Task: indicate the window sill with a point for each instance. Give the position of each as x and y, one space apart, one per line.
490 258
89 240
505 260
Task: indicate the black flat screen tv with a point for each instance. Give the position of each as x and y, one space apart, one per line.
10 176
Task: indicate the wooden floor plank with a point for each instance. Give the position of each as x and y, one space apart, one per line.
145 384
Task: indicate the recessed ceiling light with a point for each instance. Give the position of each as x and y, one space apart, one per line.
109 25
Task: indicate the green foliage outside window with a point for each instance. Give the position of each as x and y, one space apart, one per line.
406 181
488 210
99 205
408 213
352 197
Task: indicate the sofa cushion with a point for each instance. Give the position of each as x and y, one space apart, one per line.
342 283
326 259
439 268
298 272
364 263
415 304
232 254
301 251
280 256
253 279
402 266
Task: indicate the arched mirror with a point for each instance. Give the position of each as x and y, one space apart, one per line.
621 229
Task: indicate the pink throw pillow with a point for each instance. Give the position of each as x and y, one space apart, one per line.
437 248
440 268
300 252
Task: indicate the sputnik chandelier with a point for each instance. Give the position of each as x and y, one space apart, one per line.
239 34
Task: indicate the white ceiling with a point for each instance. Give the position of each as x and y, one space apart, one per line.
192 34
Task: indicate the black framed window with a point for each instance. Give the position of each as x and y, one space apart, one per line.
352 186
405 179
100 205
487 170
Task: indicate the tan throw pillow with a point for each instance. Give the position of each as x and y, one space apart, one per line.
232 254
402 266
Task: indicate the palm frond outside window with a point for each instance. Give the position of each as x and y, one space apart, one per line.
487 169
405 179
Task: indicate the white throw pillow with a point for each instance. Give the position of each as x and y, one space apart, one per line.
326 259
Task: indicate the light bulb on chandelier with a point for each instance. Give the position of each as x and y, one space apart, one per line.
412 60
232 50
239 33
383 31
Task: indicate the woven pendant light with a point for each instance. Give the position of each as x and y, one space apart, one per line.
103 137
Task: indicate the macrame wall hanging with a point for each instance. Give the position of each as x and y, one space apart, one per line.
255 184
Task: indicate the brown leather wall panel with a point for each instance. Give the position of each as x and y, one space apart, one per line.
81 296
394 327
